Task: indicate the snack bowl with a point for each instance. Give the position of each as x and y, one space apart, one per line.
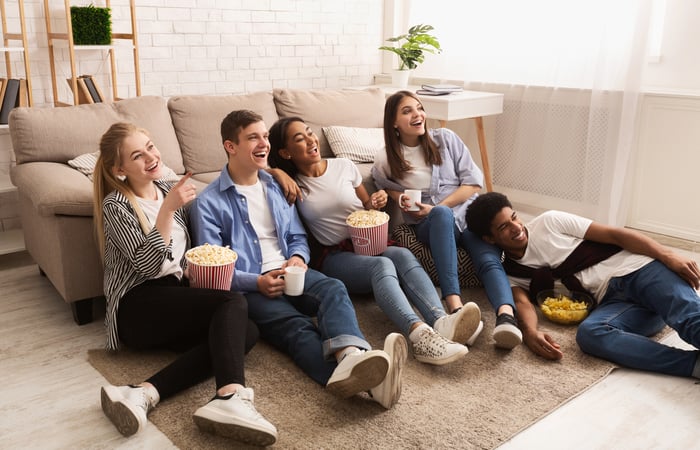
565 307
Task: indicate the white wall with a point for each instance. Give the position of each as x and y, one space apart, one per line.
679 68
219 46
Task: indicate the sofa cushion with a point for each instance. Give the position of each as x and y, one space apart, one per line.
44 134
197 120
360 145
326 107
61 191
405 236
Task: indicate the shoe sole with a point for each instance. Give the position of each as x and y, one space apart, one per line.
441 362
507 336
118 413
476 334
243 432
397 349
363 377
470 317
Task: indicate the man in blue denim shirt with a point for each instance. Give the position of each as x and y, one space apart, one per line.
246 209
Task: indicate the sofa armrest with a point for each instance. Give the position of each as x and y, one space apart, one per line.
54 188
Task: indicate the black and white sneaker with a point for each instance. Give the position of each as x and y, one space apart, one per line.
506 333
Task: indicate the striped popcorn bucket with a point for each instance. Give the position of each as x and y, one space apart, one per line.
216 272
370 240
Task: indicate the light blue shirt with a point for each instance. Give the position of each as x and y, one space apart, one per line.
219 216
457 169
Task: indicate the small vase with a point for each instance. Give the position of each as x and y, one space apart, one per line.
399 78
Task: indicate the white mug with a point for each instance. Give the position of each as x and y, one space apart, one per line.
294 280
414 196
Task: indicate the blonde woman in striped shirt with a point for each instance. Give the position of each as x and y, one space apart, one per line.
142 231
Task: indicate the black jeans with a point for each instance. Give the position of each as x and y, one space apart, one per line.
210 329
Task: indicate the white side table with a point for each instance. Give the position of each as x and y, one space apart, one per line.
457 106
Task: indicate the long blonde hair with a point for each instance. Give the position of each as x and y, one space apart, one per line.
104 180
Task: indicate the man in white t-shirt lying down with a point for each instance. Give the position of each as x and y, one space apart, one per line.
639 285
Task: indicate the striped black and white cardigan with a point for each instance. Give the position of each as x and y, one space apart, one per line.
131 257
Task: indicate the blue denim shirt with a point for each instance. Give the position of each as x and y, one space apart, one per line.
457 169
219 216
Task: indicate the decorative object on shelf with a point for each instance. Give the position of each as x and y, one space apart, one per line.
91 25
411 51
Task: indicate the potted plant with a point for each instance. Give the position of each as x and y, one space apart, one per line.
411 50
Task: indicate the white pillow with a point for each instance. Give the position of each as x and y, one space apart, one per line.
359 145
85 164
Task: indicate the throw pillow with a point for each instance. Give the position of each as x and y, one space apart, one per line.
359 145
85 164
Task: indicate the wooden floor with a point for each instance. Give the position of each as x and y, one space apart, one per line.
50 394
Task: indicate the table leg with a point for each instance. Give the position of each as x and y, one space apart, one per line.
484 154
482 149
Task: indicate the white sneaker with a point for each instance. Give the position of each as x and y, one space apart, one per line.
357 372
387 393
433 348
126 406
476 334
235 417
460 325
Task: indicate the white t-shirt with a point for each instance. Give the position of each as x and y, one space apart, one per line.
261 220
553 235
177 234
329 199
420 174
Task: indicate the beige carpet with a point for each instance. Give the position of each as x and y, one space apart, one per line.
477 403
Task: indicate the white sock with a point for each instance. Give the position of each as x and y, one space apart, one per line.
415 334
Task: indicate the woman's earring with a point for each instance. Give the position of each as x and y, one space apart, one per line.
121 177
396 130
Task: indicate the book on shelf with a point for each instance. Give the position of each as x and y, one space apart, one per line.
23 96
442 87
84 96
3 86
9 99
92 87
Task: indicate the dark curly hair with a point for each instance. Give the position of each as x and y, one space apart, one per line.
483 209
278 141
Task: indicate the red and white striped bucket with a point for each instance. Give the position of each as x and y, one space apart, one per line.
370 240
209 274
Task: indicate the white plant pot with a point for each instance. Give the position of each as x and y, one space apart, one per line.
399 78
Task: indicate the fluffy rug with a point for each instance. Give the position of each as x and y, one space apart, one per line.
476 403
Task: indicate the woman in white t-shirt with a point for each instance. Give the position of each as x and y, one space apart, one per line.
331 190
141 228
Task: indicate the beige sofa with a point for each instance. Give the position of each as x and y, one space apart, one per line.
56 200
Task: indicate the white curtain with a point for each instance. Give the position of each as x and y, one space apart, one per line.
571 74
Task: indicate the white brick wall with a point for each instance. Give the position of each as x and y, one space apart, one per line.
211 47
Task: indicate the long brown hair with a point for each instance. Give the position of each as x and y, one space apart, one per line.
397 163
104 180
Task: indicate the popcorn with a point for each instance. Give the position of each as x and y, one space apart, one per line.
564 310
211 255
363 219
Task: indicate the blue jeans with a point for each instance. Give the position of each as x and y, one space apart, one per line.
286 323
439 232
397 280
639 305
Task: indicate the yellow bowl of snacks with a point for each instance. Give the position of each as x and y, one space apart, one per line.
564 307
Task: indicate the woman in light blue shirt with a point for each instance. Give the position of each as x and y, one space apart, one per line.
437 163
